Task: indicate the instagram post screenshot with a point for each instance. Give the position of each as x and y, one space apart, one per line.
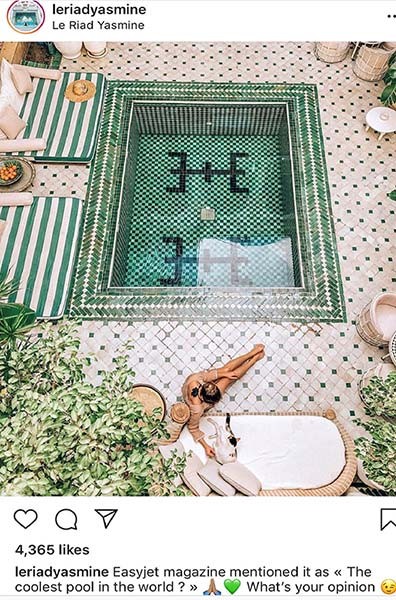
197 299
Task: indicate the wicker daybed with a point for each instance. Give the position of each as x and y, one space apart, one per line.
342 481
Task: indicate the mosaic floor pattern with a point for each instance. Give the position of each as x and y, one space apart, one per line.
308 366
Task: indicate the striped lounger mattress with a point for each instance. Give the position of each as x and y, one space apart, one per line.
37 251
69 128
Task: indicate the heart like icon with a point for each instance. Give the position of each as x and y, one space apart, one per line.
232 585
25 518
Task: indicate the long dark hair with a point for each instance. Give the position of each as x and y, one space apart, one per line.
210 393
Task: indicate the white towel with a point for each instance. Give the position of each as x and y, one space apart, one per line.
41 73
22 145
16 199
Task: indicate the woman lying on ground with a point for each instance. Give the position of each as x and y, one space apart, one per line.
201 391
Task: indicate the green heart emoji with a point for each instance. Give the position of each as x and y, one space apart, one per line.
232 585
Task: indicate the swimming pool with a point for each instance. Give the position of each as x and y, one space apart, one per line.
209 199
212 186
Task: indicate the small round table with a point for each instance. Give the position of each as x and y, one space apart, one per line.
28 175
150 398
382 119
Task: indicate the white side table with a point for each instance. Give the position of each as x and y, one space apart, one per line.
382 119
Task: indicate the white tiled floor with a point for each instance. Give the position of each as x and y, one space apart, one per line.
307 366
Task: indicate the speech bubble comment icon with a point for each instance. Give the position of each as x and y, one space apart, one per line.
66 519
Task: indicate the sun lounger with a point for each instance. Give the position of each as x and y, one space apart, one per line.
69 128
37 250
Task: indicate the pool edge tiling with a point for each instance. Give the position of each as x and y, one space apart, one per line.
321 300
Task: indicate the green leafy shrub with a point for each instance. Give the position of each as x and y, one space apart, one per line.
380 396
61 435
15 321
388 96
378 453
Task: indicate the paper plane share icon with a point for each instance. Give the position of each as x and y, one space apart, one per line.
107 515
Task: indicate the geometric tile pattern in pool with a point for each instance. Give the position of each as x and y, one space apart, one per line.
321 296
249 218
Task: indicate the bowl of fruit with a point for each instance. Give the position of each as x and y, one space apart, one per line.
10 171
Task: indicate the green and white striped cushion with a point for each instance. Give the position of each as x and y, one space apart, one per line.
69 128
37 251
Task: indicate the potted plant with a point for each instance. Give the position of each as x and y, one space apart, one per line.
62 435
69 50
377 454
380 370
388 96
96 49
377 450
379 395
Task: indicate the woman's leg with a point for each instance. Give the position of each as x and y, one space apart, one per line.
240 371
233 364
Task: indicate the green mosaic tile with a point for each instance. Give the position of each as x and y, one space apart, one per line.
247 218
321 296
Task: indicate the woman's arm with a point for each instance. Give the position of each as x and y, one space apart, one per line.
196 412
209 451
